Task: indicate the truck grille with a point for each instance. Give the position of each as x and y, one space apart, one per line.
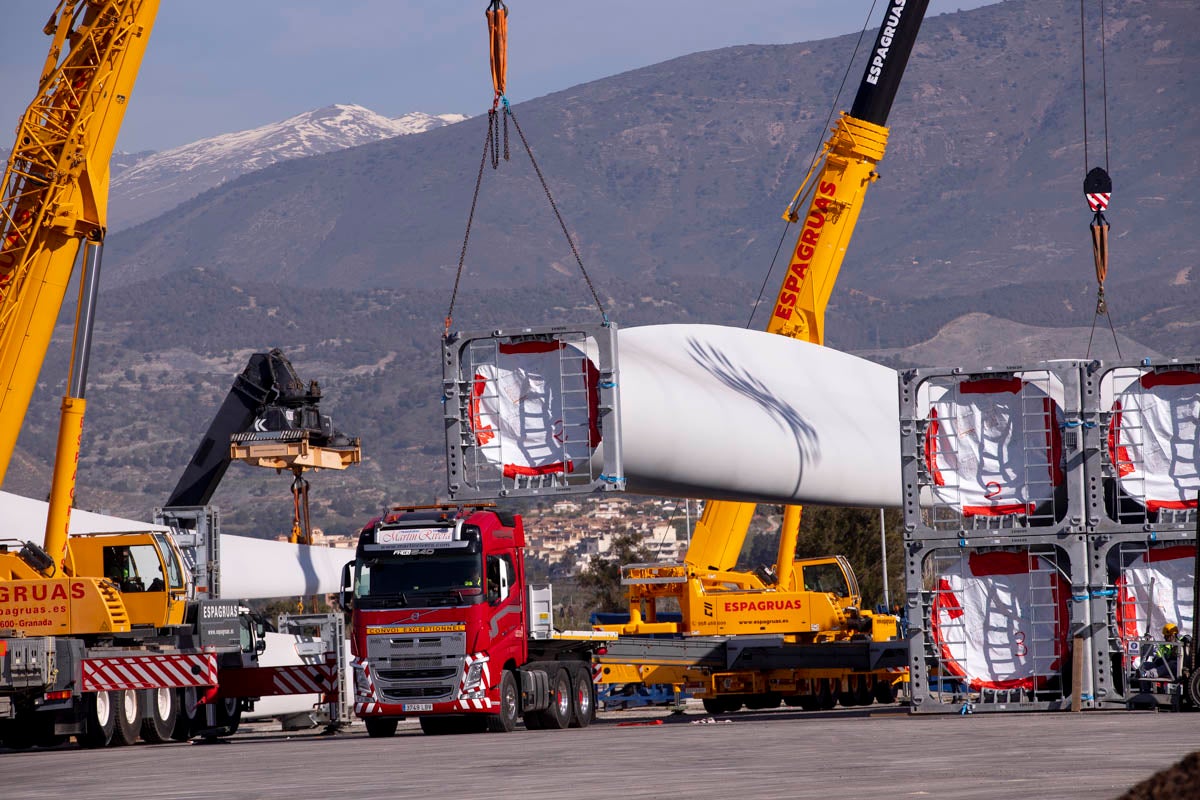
417 666
399 695
417 674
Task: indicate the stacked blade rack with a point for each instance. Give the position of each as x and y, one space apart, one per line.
1078 540
585 396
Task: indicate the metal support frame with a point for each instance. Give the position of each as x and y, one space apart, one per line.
1115 473
332 635
1052 616
471 368
1117 607
935 511
197 531
1093 535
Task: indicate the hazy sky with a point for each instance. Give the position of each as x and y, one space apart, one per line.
218 66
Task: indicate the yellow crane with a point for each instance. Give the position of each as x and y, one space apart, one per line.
714 598
837 192
101 635
54 209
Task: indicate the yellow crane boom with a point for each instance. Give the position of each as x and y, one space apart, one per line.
55 204
834 191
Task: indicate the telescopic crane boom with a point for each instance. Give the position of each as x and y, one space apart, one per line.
837 192
55 206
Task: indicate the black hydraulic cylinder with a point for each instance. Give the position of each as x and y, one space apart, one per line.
893 45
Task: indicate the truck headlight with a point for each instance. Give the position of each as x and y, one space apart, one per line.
474 676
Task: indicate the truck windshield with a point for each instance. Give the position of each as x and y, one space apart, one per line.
418 580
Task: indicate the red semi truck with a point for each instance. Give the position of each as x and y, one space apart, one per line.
445 628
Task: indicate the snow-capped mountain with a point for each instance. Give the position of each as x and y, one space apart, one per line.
160 181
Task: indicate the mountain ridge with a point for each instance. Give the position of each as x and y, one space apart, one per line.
147 185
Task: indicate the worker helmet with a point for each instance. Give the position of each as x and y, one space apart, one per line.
1170 628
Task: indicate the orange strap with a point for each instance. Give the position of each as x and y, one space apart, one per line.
497 16
1100 250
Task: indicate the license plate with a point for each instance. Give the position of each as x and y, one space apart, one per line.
418 706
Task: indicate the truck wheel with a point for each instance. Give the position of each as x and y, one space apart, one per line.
161 716
43 731
826 699
533 720
99 720
187 715
721 705
558 715
510 705
18 734
583 697
760 702
863 694
128 712
228 714
381 727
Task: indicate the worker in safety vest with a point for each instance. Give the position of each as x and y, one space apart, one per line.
1161 661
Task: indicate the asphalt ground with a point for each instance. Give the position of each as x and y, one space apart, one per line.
871 754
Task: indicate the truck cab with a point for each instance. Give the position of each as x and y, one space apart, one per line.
436 609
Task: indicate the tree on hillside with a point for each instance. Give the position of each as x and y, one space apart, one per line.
854 533
850 532
600 581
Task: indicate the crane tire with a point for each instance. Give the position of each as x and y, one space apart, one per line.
826 697
100 720
1193 689
162 711
128 711
189 714
228 714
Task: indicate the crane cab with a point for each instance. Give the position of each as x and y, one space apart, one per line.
146 568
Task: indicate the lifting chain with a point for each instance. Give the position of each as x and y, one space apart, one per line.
495 142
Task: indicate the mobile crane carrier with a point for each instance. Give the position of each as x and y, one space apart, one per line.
101 636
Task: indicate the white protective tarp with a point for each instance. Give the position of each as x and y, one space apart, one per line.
1156 588
529 408
1152 439
723 413
994 446
250 568
1001 623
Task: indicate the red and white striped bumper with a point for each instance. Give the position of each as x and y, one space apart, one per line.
149 672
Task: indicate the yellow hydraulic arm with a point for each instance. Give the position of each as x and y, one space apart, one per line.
54 204
835 199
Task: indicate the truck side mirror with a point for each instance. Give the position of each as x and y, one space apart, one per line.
505 580
347 593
